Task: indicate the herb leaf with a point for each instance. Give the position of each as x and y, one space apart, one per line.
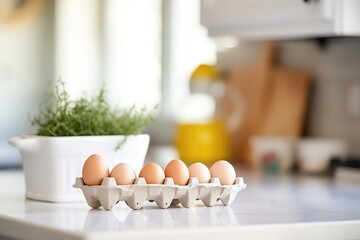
60 116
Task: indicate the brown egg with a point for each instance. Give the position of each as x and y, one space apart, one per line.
153 173
123 174
200 171
224 171
94 170
178 171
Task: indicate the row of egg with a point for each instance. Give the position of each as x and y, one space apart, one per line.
95 170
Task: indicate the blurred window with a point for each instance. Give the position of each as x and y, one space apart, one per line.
132 44
185 46
143 50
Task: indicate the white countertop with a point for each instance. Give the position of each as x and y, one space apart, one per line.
269 208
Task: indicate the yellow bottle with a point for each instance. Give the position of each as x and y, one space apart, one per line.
201 135
202 142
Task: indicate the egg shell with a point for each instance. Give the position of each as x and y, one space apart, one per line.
224 171
200 171
123 174
153 173
94 170
178 171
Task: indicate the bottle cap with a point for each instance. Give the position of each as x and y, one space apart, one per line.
205 72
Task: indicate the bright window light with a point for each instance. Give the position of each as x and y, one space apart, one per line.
187 46
132 65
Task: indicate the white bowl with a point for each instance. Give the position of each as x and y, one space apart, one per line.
51 164
314 155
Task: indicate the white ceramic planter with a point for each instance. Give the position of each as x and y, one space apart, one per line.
51 164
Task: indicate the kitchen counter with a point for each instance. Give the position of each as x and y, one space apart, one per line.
286 207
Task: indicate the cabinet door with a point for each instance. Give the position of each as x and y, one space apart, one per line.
270 18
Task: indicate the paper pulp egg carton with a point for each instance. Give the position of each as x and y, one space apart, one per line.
108 194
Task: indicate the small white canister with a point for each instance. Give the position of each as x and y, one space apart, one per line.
273 154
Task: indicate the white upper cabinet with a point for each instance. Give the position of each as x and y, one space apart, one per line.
281 19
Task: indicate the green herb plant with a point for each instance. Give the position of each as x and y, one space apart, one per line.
60 116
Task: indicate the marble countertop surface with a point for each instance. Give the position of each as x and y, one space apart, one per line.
282 207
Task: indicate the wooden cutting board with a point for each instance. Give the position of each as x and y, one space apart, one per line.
252 86
285 109
274 100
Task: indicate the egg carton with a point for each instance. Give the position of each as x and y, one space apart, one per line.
108 194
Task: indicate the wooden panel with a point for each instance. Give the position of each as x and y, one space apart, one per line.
285 110
251 84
